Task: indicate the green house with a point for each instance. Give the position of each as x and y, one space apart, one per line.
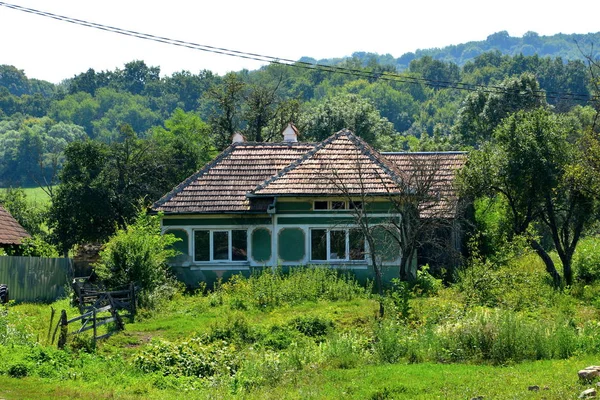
262 205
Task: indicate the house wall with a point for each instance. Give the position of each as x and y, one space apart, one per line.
278 239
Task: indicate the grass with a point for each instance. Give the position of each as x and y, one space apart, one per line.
315 335
36 196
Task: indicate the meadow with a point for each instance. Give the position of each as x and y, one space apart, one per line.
315 333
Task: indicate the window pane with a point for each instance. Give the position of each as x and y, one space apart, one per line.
239 244
338 205
318 244
221 245
357 245
201 246
337 245
320 205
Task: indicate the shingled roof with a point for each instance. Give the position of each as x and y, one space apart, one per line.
221 186
246 176
342 164
433 172
11 232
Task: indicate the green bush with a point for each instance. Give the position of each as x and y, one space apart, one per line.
18 370
311 326
586 260
188 358
139 254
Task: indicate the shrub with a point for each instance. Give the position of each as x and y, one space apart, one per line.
426 284
312 326
190 358
586 260
233 329
139 254
18 370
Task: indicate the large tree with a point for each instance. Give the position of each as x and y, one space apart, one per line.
532 163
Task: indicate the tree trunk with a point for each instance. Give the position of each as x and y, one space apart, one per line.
550 268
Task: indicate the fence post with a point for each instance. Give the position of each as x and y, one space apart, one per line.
64 329
94 321
51 321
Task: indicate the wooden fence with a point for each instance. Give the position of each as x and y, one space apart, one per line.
35 279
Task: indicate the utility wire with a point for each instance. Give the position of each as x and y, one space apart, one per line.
387 76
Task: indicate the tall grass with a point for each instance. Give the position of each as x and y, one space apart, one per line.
269 289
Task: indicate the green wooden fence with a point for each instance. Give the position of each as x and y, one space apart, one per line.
35 279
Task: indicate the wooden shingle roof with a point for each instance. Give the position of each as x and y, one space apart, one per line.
433 172
11 232
342 164
221 186
246 176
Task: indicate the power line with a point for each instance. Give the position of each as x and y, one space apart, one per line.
393 77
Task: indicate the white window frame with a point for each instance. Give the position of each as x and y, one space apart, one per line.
330 205
211 247
328 245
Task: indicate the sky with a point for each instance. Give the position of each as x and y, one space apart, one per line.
54 50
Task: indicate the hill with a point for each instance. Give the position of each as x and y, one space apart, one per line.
565 46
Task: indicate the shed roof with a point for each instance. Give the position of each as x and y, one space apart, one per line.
11 232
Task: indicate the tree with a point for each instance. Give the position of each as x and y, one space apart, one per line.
483 110
532 164
346 111
225 114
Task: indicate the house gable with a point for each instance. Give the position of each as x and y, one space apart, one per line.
342 164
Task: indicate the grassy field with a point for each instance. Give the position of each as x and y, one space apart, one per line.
314 335
37 196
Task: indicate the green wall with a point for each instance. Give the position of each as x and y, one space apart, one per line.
291 244
260 245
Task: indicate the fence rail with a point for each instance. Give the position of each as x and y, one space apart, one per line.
35 279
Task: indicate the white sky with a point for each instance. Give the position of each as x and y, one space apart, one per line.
53 50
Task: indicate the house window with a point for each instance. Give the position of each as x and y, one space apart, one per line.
220 245
336 245
321 205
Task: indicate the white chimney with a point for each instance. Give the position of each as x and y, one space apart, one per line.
290 133
237 138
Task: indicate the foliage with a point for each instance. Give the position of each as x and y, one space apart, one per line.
188 358
138 254
528 165
270 289
586 260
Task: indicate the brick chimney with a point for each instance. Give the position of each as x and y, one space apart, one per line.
290 133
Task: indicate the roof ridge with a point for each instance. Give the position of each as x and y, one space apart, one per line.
177 189
388 167
299 161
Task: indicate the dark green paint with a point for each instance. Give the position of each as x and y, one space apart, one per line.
182 245
294 206
328 220
291 244
261 245
215 221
